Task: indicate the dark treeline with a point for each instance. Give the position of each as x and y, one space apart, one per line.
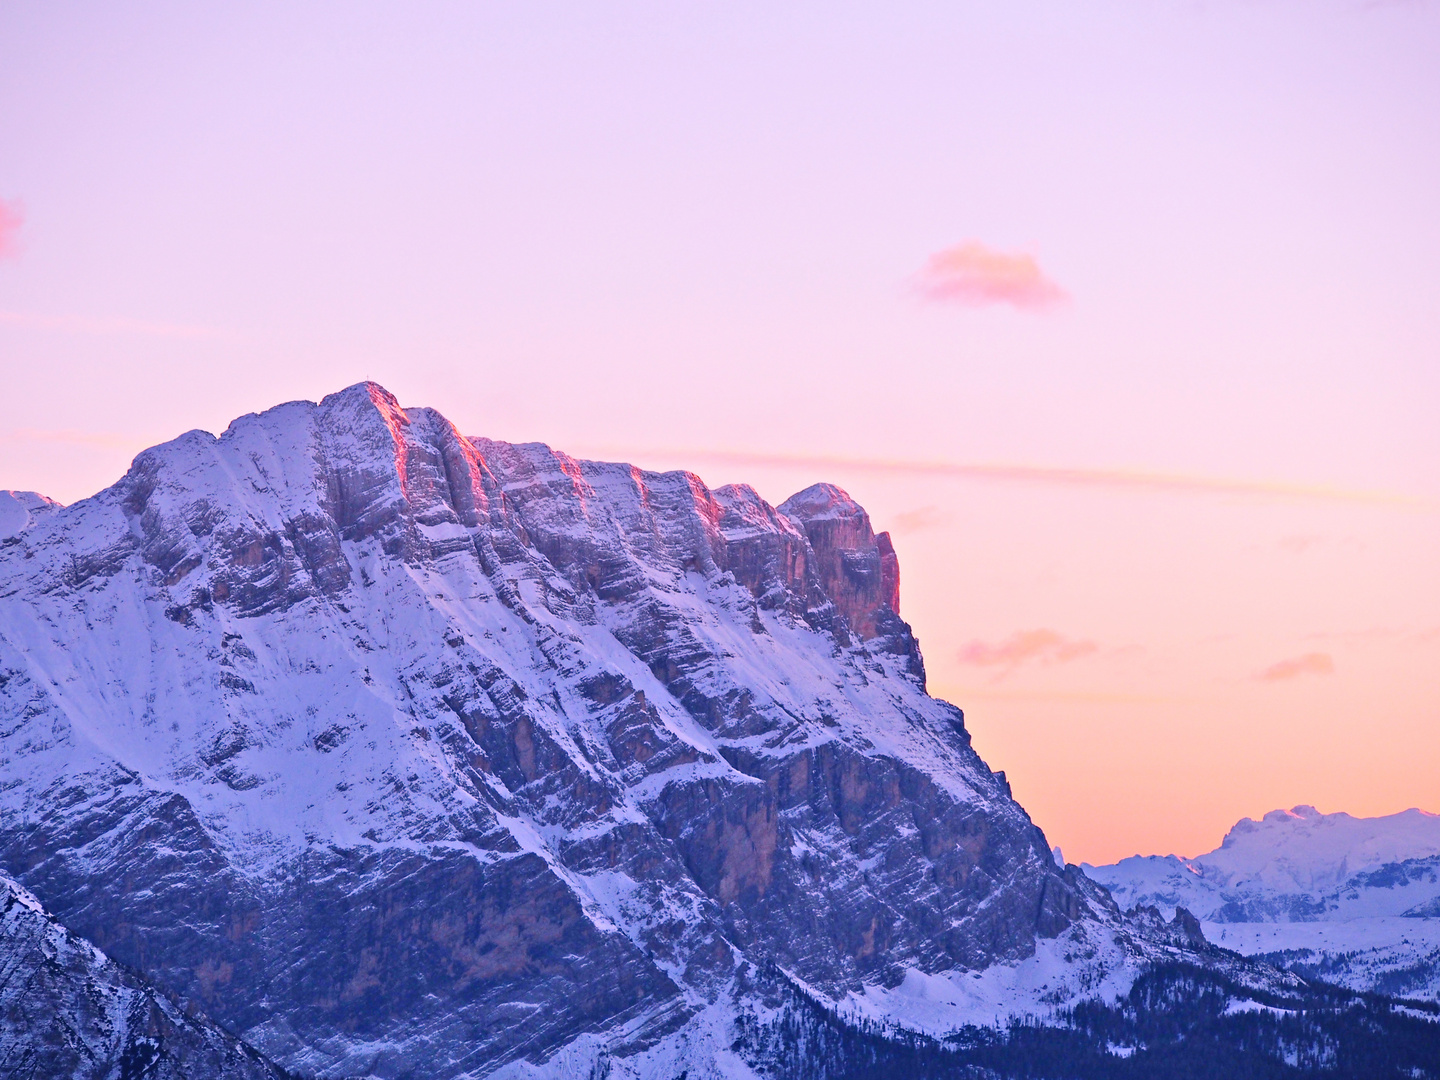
1397 982
1177 1023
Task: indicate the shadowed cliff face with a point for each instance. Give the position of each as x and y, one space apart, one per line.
403 751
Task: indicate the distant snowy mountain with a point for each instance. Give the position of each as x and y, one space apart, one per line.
1356 900
1296 864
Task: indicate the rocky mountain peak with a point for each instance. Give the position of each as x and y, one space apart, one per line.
858 568
404 752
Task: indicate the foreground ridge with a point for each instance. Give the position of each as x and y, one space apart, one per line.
68 1010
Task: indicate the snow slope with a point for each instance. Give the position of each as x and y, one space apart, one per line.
21 509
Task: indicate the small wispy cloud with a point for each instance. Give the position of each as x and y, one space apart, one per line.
974 275
1038 646
1315 663
991 692
78 324
11 219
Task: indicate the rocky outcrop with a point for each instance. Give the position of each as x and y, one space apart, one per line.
401 752
858 569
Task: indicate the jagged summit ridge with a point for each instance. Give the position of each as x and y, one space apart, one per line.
399 750
856 566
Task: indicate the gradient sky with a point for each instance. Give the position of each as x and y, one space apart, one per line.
1124 318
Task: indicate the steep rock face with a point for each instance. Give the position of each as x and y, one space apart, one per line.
67 1010
858 569
399 751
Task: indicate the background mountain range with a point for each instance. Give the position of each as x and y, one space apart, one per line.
1353 900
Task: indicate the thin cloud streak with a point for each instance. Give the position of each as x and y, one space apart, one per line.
989 692
1115 479
1315 663
973 275
74 324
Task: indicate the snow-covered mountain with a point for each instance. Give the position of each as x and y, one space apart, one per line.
400 752
1353 900
67 1010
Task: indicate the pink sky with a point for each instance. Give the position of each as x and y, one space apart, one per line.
1123 318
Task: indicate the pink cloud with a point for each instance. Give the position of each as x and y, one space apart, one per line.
10 221
973 275
1315 663
1042 646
